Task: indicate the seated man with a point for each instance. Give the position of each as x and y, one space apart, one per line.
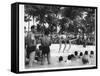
85 58
91 54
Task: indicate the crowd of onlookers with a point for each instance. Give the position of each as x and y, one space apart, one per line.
55 39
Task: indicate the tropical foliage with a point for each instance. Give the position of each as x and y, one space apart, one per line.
69 19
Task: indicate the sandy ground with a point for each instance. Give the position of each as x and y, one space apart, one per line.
66 63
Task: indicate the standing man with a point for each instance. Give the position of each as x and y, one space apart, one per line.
31 46
45 43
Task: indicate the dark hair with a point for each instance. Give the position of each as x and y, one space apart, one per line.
91 52
81 54
60 58
76 53
46 32
40 47
32 27
86 53
69 57
72 56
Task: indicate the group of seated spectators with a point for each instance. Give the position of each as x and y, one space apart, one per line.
84 57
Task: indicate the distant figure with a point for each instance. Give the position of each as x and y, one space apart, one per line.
31 46
65 39
45 43
76 53
92 58
72 57
80 55
86 53
62 40
60 58
85 58
69 59
76 56
91 54
84 40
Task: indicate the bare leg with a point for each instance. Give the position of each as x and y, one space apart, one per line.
69 46
31 58
26 59
70 43
48 58
43 59
65 46
60 42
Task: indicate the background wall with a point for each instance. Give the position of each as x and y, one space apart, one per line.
5 39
